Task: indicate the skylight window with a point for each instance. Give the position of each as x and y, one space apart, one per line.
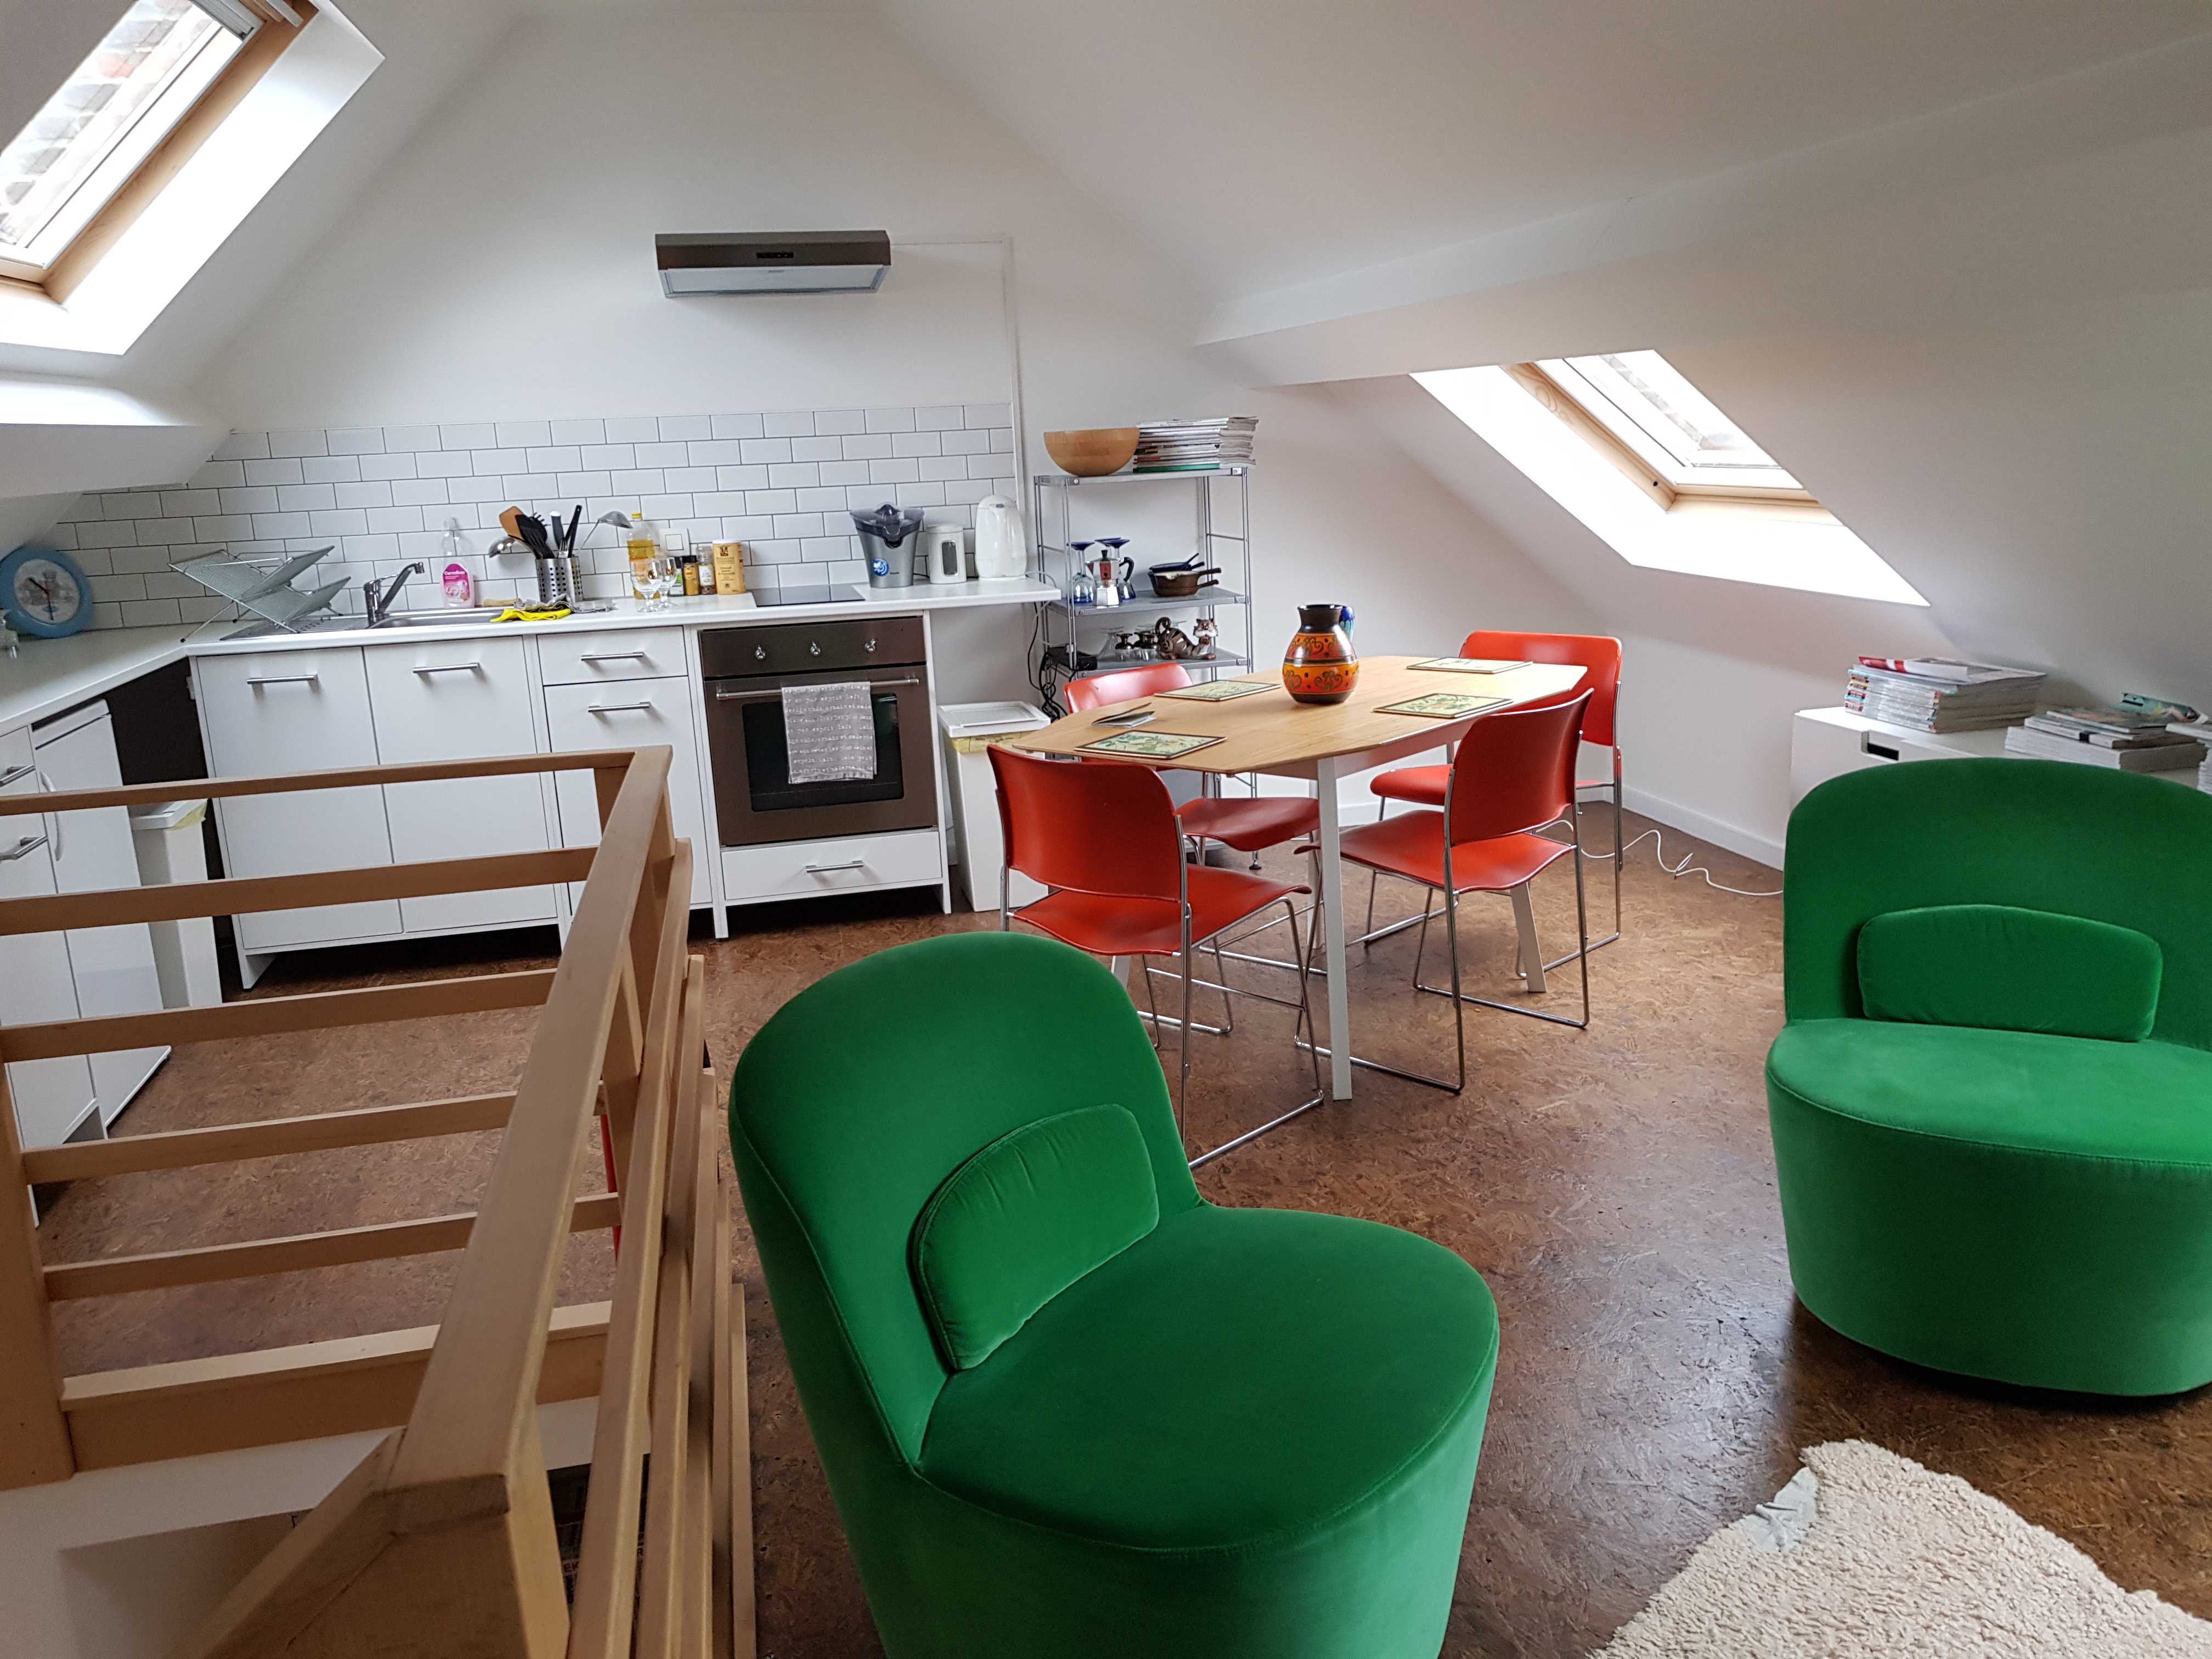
1649 464
145 90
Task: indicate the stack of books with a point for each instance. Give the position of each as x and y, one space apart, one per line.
1941 694
1195 445
2133 740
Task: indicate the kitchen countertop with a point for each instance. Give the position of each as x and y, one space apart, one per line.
48 675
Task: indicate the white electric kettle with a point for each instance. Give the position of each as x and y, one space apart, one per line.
944 551
1001 547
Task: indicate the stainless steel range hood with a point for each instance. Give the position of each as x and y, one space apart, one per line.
798 262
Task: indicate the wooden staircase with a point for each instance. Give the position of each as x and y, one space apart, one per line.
441 1542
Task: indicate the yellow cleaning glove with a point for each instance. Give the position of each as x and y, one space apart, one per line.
532 613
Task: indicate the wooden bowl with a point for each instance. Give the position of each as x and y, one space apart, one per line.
1094 454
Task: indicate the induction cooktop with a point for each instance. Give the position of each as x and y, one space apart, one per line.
805 595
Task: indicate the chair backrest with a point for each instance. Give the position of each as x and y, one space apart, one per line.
1125 685
1095 825
1515 771
1599 655
853 1106
2055 835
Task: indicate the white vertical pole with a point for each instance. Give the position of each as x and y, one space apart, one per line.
1331 900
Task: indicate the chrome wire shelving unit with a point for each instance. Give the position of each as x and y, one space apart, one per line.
1075 640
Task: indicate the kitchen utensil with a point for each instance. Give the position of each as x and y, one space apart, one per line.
1321 666
884 532
1190 563
1183 584
1108 586
1093 453
1001 544
945 554
510 521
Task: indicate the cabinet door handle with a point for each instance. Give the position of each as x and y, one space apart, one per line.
285 679
616 656
28 844
17 773
448 667
824 869
618 708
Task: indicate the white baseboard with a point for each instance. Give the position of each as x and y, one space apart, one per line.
1740 842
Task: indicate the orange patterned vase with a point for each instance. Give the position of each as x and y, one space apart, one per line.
1320 665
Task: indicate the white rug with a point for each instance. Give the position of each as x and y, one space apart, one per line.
1867 1555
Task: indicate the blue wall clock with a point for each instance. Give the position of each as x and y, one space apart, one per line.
44 593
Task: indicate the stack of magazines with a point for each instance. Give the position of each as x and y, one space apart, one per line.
2134 740
1195 445
1941 694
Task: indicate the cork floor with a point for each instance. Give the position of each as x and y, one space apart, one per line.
1614 1187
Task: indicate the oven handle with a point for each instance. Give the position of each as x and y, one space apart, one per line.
873 685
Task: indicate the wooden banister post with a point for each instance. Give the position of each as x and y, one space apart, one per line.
34 1442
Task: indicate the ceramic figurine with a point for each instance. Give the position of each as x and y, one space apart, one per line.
1320 665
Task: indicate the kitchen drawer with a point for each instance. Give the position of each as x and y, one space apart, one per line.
300 710
580 718
626 654
793 869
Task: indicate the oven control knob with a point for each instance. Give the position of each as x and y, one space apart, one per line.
761 651
871 645
813 650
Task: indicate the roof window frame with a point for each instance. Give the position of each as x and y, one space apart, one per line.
280 23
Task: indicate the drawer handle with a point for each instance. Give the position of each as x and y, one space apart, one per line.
285 679
28 844
450 668
618 708
1881 749
16 774
825 869
616 656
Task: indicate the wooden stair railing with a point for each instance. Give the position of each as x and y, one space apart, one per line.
441 1542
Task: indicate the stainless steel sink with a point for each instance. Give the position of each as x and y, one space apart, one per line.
438 618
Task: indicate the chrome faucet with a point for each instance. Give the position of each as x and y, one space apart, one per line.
377 598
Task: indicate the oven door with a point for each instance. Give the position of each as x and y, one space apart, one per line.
756 801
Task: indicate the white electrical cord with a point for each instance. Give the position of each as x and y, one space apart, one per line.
1685 868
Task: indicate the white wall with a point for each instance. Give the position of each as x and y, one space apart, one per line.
501 269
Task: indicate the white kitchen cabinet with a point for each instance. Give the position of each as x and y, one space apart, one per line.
629 714
113 967
278 712
842 864
460 699
51 1096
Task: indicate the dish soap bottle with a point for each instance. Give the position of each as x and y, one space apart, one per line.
461 590
644 549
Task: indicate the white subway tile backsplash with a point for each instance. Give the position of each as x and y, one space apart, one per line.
783 483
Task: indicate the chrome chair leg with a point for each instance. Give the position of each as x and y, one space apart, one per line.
1221 972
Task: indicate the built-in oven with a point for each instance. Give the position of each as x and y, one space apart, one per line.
746 670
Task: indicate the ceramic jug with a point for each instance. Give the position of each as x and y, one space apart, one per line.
1320 665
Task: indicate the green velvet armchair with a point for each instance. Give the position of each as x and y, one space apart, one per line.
1992 1101
1068 1409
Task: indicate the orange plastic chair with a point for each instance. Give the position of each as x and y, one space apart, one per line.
1249 826
1103 838
1513 776
1598 656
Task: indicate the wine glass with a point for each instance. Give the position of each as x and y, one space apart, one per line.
662 578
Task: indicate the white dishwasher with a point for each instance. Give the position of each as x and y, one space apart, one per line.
114 967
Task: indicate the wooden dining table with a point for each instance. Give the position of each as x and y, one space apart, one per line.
1269 733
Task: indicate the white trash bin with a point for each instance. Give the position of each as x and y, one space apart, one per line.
967 729
166 838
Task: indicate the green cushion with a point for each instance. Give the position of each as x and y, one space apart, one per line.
1239 1376
2013 1204
1024 1219
2001 966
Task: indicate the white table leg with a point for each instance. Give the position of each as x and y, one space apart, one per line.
1331 900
